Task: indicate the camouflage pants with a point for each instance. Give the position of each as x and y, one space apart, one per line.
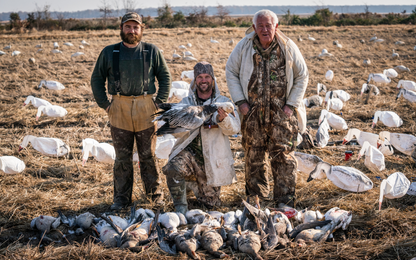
123 141
277 138
184 168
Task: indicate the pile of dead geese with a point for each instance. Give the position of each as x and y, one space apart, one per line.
247 231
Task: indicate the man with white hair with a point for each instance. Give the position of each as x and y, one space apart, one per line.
267 78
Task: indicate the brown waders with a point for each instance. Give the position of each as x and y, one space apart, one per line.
130 119
266 128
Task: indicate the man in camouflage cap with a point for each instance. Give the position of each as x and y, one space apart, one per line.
267 78
202 159
131 68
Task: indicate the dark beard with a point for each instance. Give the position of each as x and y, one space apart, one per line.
202 91
131 38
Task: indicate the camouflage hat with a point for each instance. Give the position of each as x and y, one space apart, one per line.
203 67
131 16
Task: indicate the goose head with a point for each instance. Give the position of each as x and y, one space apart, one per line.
324 112
351 133
226 106
376 116
364 88
401 92
364 150
28 100
40 110
320 171
42 82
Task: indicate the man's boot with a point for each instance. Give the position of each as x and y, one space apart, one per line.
178 193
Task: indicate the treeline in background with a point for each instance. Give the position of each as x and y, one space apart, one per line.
197 17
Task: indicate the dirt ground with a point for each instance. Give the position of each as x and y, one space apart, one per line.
48 184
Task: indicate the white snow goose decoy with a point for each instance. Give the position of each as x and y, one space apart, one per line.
373 38
15 53
341 94
391 73
189 45
369 88
299 39
50 84
346 178
7 47
407 84
182 117
51 111
401 69
313 101
395 55
329 75
408 95
399 43
56 51
405 143
68 44
55 45
311 38
77 54
322 135
379 40
179 89
2 53
374 158
325 53
306 162
188 53
388 118
189 58
395 186
334 121
83 42
176 56
187 73
367 62
231 42
378 78
101 152
45 145
361 137
11 165
335 104
36 102
214 41
321 88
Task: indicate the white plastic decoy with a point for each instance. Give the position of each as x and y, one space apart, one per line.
187 73
379 40
11 165
373 38
324 53
388 118
407 84
335 104
341 94
321 88
399 43
407 94
2 53
361 137
306 162
101 152
311 38
182 47
322 135
36 102
401 69
189 45
83 42
334 121
15 53
50 84
51 111
176 56
366 88
188 53
404 143
7 47
313 101
374 158
378 78
164 145
68 44
346 178
391 73
55 45
76 54
214 41
394 55
56 51
395 186
45 145
180 89
329 75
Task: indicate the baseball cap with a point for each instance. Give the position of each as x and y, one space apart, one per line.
131 16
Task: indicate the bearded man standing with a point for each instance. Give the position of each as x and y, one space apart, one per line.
130 68
267 78
202 160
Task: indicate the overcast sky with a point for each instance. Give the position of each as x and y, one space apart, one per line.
79 5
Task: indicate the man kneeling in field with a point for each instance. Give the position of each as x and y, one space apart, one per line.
203 155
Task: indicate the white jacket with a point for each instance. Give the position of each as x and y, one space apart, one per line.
240 66
218 158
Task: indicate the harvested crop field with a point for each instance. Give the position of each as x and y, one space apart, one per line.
48 184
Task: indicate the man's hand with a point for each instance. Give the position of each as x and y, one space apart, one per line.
244 108
287 111
221 115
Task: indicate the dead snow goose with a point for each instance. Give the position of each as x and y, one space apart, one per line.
388 118
196 216
401 69
306 162
11 165
334 121
214 41
335 104
346 178
55 45
361 137
408 95
395 186
307 216
407 84
187 73
102 152
45 223
340 216
36 102
391 73
311 38
15 53
329 75
374 159
45 145
322 135
378 78
51 111
50 84
312 235
405 143
169 220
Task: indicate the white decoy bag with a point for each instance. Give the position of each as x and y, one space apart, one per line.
164 145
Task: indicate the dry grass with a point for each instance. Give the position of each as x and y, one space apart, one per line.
49 184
